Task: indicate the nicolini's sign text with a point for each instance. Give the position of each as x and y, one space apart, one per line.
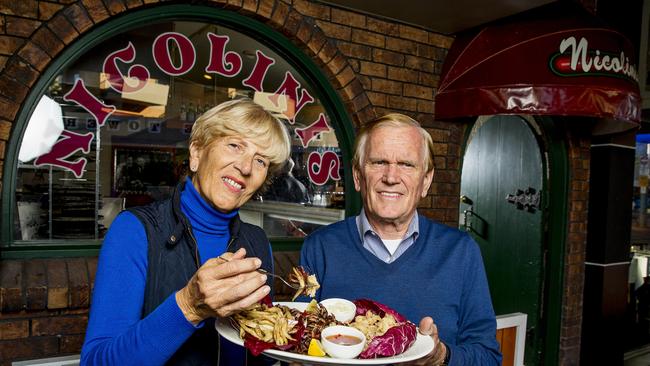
321 166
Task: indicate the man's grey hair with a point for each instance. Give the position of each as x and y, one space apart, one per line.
394 120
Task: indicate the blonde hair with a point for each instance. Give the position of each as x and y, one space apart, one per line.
245 118
393 120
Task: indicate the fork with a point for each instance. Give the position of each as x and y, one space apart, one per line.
263 271
293 286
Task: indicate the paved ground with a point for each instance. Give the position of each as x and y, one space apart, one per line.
640 357
643 360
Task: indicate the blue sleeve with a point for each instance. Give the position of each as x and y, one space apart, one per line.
476 343
116 334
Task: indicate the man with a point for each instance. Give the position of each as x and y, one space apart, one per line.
391 254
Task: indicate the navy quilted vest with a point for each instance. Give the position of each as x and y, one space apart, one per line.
173 259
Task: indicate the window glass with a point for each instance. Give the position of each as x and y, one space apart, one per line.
636 320
640 207
111 132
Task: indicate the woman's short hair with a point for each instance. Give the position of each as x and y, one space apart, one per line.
394 120
245 118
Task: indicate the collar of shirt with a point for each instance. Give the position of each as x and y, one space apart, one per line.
373 243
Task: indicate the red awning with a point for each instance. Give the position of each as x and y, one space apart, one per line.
565 67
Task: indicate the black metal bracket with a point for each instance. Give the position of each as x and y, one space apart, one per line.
472 222
528 200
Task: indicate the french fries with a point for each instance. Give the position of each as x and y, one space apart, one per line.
269 324
307 284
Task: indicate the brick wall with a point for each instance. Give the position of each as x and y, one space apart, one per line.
43 307
576 243
376 66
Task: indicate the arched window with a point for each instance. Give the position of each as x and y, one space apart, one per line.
107 126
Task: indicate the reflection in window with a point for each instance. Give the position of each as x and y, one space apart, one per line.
640 213
139 153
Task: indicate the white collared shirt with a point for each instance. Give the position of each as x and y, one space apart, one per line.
386 250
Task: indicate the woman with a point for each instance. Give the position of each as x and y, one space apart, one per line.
160 282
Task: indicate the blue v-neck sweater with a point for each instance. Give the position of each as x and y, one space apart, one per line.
116 334
441 275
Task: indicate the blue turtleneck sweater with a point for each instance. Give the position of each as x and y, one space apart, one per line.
209 226
116 334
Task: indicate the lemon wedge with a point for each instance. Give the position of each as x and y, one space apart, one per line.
315 348
312 307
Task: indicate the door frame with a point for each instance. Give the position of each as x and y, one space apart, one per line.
555 180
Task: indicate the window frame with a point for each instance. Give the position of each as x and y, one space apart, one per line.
302 63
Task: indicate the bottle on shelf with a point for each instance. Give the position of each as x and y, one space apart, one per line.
199 109
191 112
183 112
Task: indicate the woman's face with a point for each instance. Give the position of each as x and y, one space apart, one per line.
228 171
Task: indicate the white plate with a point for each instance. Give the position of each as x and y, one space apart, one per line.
423 346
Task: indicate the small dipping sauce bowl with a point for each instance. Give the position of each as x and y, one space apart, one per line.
340 341
342 309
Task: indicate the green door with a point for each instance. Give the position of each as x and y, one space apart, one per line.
502 178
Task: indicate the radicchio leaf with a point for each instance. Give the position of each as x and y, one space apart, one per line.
266 300
255 345
396 340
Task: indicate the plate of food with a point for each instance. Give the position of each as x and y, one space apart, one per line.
332 332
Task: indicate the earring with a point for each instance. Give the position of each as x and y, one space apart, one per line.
193 167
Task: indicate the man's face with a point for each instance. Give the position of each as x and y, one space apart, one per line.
230 170
392 179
